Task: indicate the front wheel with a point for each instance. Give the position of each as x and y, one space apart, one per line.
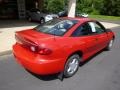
110 44
72 65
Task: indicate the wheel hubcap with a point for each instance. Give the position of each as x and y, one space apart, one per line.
73 65
111 43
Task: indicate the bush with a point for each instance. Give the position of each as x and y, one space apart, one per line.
55 6
95 12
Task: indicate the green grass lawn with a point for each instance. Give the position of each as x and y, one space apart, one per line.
103 17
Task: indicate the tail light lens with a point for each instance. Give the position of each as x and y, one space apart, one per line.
40 50
44 51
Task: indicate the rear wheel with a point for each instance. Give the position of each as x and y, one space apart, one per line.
72 65
110 44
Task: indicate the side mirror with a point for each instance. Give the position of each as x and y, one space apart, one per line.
108 30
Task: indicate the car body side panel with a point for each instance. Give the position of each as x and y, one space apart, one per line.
102 40
87 45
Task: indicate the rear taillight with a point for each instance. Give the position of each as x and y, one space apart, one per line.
44 51
40 50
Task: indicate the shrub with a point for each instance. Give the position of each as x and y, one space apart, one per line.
55 6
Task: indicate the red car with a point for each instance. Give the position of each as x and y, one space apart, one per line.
60 45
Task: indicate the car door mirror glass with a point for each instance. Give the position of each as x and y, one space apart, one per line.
107 30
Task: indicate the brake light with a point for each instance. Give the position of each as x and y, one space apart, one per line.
40 50
44 51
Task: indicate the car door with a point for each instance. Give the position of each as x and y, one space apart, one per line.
84 34
100 34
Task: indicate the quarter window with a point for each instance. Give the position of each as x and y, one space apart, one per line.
96 28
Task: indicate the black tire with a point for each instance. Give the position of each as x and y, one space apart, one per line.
42 20
70 67
110 44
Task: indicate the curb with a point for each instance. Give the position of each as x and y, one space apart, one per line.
5 52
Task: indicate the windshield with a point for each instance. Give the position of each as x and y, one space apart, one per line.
56 27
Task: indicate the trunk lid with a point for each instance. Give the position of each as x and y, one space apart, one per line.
32 36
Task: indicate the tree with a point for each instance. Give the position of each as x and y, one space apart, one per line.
89 6
111 7
55 6
105 7
118 8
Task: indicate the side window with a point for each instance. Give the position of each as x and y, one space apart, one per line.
82 30
96 28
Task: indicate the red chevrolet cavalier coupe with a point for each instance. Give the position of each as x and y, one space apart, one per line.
60 45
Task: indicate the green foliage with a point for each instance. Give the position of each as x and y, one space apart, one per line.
105 7
104 17
89 6
55 6
112 7
95 12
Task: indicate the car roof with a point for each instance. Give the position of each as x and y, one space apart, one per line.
81 19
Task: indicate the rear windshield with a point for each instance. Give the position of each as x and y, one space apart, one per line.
56 27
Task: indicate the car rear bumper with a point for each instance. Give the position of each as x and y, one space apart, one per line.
36 64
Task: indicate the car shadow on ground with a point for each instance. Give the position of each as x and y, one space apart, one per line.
55 76
45 77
